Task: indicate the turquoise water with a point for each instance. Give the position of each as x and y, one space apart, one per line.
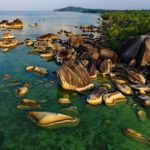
101 127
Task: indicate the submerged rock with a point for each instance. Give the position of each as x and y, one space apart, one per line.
39 70
28 103
142 115
49 55
6 76
64 100
108 54
73 77
96 97
113 98
5 50
71 110
22 91
137 135
48 119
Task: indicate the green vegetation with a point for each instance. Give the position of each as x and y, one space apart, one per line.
118 26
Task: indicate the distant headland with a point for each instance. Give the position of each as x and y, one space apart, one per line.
89 10
80 9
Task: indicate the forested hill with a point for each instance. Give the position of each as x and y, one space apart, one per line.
80 9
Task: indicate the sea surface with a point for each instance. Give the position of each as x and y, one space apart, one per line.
101 127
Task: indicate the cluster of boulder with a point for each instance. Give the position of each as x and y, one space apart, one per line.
8 41
46 46
45 119
50 120
81 62
15 24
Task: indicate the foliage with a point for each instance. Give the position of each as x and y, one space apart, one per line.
119 25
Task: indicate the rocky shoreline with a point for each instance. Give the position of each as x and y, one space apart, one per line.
81 61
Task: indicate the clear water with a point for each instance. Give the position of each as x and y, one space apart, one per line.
101 127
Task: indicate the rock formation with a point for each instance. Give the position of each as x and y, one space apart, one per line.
39 70
49 36
15 24
96 97
137 48
73 77
113 98
75 41
48 119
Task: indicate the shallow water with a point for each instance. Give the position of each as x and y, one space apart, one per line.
101 127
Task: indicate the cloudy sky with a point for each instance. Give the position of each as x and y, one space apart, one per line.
52 4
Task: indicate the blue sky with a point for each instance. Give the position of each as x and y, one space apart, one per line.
52 4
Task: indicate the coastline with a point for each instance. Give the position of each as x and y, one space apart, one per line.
98 123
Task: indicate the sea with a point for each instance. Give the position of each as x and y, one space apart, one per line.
101 127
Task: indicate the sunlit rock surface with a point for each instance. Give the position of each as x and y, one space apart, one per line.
96 97
48 119
114 98
39 70
73 77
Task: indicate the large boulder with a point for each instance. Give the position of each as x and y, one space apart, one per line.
49 36
88 51
135 76
75 41
66 55
108 54
53 120
105 67
136 48
146 56
73 77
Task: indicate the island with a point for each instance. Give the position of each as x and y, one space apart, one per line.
80 9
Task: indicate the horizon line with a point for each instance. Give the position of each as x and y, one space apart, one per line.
79 7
